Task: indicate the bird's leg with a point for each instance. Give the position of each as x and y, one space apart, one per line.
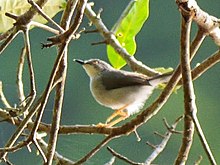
116 121
118 112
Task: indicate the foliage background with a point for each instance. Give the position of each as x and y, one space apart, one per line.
157 45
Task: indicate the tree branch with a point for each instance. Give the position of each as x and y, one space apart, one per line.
189 96
94 150
112 40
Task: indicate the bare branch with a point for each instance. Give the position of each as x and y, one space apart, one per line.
189 96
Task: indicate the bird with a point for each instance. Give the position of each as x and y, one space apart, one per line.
123 91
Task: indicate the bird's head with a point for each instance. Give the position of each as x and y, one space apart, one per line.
94 67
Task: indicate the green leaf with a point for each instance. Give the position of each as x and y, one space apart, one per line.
126 28
18 7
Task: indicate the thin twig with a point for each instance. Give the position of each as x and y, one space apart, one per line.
203 139
94 150
21 22
198 161
59 158
19 81
8 40
68 13
206 64
151 145
78 19
30 67
35 142
172 127
28 16
41 12
111 161
3 98
125 159
44 27
15 147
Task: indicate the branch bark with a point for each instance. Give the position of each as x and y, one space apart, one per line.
189 96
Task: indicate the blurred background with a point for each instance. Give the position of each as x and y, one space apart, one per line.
157 46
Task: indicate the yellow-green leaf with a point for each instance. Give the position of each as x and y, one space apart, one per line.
126 28
163 70
18 7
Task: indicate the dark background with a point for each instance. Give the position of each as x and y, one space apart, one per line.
157 46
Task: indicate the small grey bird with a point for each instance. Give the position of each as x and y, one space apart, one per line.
123 91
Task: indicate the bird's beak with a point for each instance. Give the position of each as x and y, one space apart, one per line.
79 61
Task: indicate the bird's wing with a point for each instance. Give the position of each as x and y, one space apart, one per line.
118 79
